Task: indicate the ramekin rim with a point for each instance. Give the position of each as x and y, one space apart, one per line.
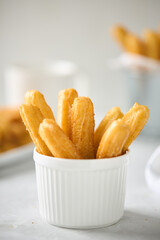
81 164
79 160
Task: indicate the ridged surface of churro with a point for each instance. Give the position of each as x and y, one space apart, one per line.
135 118
57 141
113 114
113 140
37 99
65 101
32 117
82 118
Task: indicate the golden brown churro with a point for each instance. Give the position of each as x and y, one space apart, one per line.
113 140
113 114
57 141
152 44
112 137
135 118
37 99
148 46
134 44
82 118
119 34
65 101
32 117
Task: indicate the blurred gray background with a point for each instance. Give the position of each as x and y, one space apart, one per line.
35 31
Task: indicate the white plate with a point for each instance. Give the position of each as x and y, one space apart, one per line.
16 154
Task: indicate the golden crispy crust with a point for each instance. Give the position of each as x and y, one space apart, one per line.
113 114
65 101
113 140
32 117
82 119
135 118
56 140
37 99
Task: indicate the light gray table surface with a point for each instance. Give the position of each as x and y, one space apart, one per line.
19 214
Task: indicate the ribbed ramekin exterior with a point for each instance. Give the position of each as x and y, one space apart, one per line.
81 198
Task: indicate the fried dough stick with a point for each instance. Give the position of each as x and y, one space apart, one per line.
119 33
37 99
135 118
57 141
65 101
82 119
152 41
113 114
113 140
134 44
32 117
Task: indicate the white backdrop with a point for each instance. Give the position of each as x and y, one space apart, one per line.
35 31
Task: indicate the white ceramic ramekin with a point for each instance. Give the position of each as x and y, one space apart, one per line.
81 193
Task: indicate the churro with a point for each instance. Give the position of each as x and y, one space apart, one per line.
148 45
32 117
119 34
113 140
74 137
152 41
37 99
82 119
57 141
12 130
113 114
65 101
135 118
134 44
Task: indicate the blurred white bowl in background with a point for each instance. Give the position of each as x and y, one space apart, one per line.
48 79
